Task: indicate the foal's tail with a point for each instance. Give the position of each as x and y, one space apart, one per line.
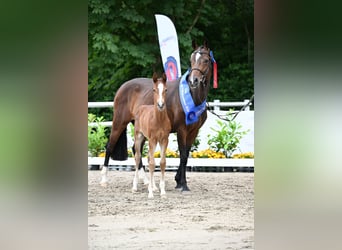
119 152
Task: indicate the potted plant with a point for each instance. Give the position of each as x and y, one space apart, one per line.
97 138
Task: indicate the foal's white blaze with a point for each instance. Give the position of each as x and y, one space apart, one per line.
160 89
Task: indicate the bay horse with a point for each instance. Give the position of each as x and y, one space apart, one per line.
137 92
153 123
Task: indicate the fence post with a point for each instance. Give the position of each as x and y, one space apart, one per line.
216 107
246 101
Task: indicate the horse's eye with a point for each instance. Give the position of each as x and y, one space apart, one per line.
165 90
154 90
206 61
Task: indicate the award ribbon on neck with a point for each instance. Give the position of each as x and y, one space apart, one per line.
192 112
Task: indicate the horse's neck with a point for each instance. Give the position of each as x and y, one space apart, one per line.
198 100
160 115
202 96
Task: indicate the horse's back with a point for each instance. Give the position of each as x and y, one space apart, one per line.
134 86
132 94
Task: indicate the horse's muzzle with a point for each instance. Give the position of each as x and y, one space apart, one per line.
194 82
161 106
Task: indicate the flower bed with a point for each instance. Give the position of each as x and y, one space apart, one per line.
204 158
247 155
207 153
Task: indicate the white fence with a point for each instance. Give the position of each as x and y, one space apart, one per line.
173 163
216 104
245 118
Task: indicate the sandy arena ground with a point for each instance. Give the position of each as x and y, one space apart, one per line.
217 214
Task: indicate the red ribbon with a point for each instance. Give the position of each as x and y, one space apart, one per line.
215 76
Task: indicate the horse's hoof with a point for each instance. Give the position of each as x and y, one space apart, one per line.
185 189
150 196
178 186
134 191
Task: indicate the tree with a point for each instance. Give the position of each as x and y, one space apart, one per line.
123 43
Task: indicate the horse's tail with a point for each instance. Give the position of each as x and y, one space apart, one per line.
119 152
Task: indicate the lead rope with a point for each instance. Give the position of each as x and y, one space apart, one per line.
223 117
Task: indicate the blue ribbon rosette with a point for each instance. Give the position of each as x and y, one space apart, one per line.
192 112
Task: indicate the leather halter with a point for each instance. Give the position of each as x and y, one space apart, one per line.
204 74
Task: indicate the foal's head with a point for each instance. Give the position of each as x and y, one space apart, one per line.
200 72
159 91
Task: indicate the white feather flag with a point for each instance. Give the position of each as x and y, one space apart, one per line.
168 44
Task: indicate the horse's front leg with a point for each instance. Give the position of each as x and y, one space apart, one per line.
181 171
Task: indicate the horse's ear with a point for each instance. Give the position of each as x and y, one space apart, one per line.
155 77
164 77
205 43
194 44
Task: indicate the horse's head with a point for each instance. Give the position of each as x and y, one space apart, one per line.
159 91
200 72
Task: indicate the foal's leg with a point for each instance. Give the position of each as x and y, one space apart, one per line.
151 164
163 147
141 168
138 138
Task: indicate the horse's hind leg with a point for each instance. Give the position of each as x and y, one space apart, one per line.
104 171
137 156
116 146
119 139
